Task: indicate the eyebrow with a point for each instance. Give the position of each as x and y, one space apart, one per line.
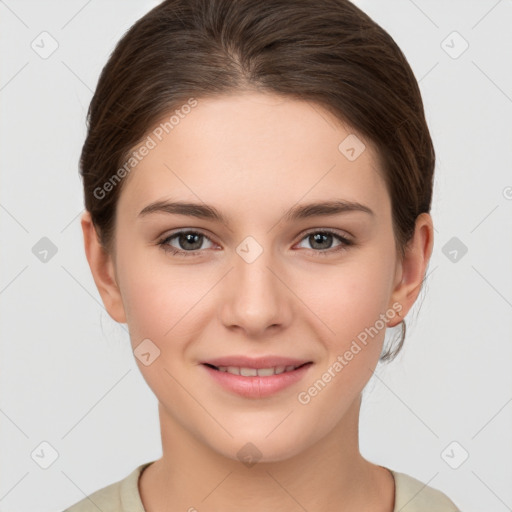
304 211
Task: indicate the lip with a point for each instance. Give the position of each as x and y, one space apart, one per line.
257 387
255 362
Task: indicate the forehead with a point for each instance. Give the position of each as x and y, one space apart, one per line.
251 150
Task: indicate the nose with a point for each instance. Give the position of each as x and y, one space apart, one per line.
255 297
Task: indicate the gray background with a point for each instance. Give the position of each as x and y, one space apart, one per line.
68 377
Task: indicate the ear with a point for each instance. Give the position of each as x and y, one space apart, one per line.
410 271
103 271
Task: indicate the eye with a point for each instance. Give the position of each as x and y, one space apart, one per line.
321 241
189 243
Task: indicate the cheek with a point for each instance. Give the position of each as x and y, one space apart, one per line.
161 302
160 309
143 289
353 304
350 298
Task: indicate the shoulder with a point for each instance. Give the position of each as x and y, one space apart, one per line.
119 496
411 495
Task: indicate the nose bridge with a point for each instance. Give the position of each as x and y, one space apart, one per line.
256 298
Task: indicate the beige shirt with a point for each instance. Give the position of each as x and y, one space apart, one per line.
411 495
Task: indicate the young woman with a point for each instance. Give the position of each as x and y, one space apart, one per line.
258 180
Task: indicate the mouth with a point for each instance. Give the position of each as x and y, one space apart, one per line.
256 383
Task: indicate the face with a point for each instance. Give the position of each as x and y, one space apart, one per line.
261 281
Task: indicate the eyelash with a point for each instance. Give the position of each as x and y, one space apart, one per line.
326 252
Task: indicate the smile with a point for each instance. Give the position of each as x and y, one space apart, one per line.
256 382
253 372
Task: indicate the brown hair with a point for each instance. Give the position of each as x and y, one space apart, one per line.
328 52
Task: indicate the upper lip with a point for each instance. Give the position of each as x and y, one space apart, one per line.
255 362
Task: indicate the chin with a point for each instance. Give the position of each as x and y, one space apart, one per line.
254 447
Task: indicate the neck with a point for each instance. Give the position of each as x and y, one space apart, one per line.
330 474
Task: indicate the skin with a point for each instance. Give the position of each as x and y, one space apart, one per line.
269 154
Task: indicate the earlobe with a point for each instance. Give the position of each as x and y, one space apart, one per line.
413 267
102 269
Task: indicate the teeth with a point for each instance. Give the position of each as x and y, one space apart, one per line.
231 369
253 372
247 372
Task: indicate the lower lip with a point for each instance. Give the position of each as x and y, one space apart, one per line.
257 387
